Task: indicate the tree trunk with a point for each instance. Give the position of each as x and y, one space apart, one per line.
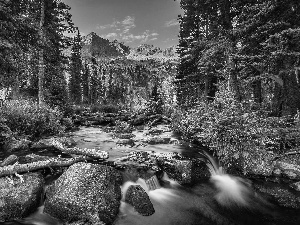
41 55
233 84
257 94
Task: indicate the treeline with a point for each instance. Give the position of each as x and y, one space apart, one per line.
98 80
32 41
251 48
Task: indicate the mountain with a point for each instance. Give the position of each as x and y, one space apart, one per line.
103 49
146 51
93 45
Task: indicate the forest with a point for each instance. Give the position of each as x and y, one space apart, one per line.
234 88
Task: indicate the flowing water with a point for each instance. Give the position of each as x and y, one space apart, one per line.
224 199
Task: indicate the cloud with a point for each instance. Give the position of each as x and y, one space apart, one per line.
110 36
144 37
172 23
122 30
125 25
114 24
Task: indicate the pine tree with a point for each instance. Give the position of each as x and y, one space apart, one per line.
75 89
269 51
85 83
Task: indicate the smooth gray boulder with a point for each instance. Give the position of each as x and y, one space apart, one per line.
85 192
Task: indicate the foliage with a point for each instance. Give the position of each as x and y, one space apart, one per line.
230 128
25 117
245 43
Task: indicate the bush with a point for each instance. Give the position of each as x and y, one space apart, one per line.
25 118
105 108
231 128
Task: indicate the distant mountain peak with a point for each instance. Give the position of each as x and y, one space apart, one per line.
96 46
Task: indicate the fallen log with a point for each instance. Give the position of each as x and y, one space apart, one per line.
9 160
53 162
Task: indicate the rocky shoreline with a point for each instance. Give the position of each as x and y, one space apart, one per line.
93 183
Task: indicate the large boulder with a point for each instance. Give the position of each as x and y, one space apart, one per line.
85 192
19 199
139 199
183 170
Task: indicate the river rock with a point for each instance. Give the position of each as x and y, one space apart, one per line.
139 199
157 140
288 170
19 199
125 142
124 135
85 191
184 171
296 186
155 131
282 194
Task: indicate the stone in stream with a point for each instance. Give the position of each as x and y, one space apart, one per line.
184 171
296 186
85 192
157 140
139 199
19 199
125 142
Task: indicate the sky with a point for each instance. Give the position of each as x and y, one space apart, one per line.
133 22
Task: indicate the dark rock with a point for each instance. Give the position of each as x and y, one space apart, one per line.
85 191
283 195
155 131
125 142
139 199
158 140
140 120
15 145
10 160
18 200
102 120
184 171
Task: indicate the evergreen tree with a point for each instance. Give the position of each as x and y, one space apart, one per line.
269 51
75 71
85 83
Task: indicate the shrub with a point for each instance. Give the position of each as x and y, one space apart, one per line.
231 128
25 118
